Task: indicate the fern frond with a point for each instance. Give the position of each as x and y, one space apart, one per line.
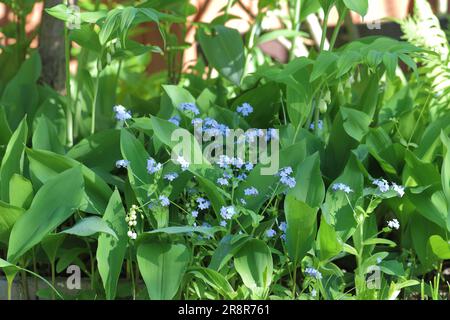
423 30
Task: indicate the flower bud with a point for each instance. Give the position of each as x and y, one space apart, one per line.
323 106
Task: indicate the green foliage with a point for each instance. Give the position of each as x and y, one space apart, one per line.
351 172
162 265
56 201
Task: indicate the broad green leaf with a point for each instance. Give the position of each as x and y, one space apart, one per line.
418 172
87 38
13 159
420 231
5 264
399 104
430 143
356 123
8 216
390 60
185 229
224 50
445 172
378 143
133 151
336 208
301 228
326 4
111 251
359 6
20 191
89 226
407 283
392 267
127 16
310 187
177 96
53 108
349 249
328 242
298 105
51 244
45 136
110 25
71 256
162 265
5 131
265 102
21 97
62 12
324 65
214 279
347 61
254 264
58 198
375 241
100 150
440 247
45 165
431 203
227 248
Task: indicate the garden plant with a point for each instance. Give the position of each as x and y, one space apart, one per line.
326 177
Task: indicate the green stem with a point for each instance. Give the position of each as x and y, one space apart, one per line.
94 103
271 198
92 259
24 278
227 9
35 270
337 28
316 118
133 284
52 265
294 281
359 276
45 281
69 116
296 25
10 283
324 29
77 110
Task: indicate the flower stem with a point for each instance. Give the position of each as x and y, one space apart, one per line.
337 28
324 29
69 116
94 103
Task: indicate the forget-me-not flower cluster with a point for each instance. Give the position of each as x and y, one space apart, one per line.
121 113
153 166
227 212
122 163
245 110
189 107
286 178
341 187
314 273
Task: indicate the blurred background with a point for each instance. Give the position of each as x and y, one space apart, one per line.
379 20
